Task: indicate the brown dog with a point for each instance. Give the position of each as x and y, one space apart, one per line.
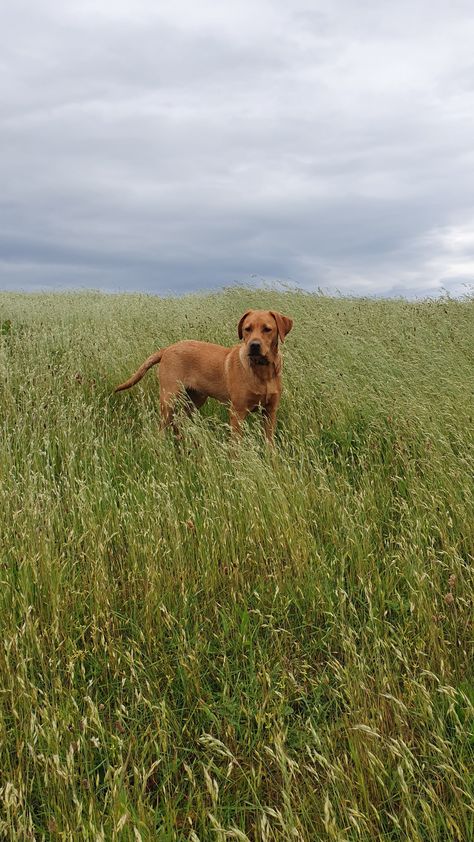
247 376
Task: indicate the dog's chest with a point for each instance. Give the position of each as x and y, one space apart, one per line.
261 393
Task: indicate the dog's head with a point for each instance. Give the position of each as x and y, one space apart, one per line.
260 331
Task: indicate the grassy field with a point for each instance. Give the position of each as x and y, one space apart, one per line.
208 643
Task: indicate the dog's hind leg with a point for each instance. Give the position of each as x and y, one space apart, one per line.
174 402
167 407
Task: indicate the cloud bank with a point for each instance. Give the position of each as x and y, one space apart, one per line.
172 146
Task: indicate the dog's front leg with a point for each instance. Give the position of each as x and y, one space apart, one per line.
237 415
269 418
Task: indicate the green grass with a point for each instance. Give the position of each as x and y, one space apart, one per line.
201 642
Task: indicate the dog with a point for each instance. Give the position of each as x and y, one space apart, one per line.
246 376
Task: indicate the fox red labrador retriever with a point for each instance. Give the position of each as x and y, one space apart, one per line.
246 376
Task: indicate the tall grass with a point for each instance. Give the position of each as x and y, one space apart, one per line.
214 642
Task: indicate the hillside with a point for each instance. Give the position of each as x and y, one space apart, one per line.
205 642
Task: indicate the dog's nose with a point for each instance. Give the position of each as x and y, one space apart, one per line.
254 347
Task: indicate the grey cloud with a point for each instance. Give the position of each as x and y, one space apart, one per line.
176 146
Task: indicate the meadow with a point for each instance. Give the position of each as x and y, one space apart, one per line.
207 642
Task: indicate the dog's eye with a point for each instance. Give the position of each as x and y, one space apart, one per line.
247 328
267 329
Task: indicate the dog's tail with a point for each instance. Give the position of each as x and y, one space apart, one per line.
153 360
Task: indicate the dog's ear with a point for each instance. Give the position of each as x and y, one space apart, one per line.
284 324
239 328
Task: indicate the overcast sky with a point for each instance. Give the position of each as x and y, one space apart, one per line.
171 145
